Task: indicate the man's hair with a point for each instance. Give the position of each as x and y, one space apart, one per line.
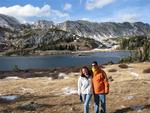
95 62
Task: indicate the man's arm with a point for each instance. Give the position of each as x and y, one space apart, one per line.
106 83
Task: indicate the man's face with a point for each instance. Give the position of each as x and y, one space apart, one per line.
95 66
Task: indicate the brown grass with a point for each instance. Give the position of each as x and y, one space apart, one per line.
50 96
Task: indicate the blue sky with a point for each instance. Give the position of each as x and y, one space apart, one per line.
91 10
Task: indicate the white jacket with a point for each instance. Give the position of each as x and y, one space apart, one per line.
84 85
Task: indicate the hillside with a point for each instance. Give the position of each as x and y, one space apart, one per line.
25 39
99 31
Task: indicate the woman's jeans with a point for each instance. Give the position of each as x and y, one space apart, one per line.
86 99
100 98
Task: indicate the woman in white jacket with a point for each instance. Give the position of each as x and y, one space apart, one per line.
85 87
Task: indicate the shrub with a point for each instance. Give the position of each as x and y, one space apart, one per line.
124 66
146 70
112 70
16 68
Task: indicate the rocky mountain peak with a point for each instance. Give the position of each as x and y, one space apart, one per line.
8 21
43 24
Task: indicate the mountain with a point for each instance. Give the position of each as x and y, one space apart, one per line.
42 35
68 35
43 24
100 31
8 22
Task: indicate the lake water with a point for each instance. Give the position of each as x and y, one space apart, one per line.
31 62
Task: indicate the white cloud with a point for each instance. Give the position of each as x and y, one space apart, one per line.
86 19
24 13
67 6
125 15
91 4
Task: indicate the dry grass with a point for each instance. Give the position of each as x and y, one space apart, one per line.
125 92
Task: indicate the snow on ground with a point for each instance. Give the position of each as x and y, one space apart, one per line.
9 98
62 76
134 75
12 78
69 91
129 97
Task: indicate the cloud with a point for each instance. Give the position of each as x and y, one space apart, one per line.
24 13
67 6
124 15
91 4
86 19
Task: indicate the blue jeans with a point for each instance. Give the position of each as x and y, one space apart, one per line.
102 99
86 99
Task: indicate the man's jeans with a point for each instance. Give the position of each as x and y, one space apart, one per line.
86 98
100 98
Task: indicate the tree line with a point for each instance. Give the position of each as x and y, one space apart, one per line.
141 46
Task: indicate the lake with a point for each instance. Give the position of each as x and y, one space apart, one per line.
52 61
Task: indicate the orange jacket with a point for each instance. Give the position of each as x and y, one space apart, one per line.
100 82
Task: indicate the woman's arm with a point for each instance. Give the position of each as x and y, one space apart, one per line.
79 85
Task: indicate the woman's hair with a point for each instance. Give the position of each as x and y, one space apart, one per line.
89 72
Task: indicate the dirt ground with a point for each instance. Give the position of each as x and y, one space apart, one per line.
129 91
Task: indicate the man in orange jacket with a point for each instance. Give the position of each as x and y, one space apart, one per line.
100 87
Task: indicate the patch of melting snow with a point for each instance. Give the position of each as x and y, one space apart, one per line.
50 78
66 77
137 108
122 106
62 75
74 74
9 98
134 75
129 97
70 91
12 78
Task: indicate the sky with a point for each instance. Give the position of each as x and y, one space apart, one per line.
29 11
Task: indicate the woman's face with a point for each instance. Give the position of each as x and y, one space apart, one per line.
85 71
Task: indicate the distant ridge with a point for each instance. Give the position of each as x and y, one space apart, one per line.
103 30
75 35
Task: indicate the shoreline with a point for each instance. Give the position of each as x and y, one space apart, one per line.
49 72
32 73
64 52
